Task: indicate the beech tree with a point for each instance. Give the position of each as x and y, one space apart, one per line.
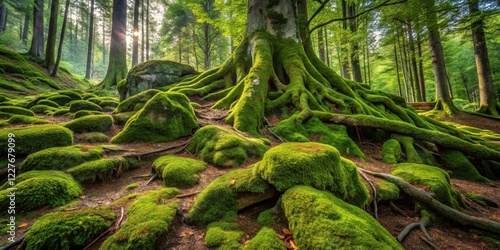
50 55
37 41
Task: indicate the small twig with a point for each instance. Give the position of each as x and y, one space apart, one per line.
375 208
275 135
158 150
429 242
110 229
118 224
186 195
399 210
152 179
141 176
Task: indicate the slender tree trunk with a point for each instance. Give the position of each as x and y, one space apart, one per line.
344 53
465 82
487 99
413 58
50 59
180 48
3 16
353 26
147 30
135 34
206 46
142 31
117 66
90 44
194 49
103 40
421 80
26 27
403 67
327 49
37 40
400 92
411 81
61 39
321 45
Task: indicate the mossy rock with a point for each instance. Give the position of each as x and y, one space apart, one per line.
266 238
315 130
178 171
312 164
43 109
149 219
136 102
48 103
226 195
22 119
83 105
224 235
122 118
60 112
61 158
91 123
97 170
87 96
35 138
96 100
224 148
320 220
60 99
14 110
387 191
109 103
68 230
460 166
93 137
82 113
73 94
166 117
436 179
38 188
266 218
407 144
391 151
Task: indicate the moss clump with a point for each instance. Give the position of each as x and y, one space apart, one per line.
16 110
73 94
266 218
22 119
43 109
148 221
436 179
97 170
315 130
91 123
35 138
312 164
68 230
387 191
460 166
166 117
61 158
83 113
221 196
108 103
39 188
178 171
61 100
136 102
87 96
131 186
60 112
83 105
407 143
320 220
223 235
122 118
266 238
93 137
391 151
48 103
222 147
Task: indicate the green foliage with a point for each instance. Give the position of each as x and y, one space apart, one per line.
312 164
166 117
266 238
97 170
460 166
223 235
82 113
61 158
266 218
91 123
436 179
38 188
178 171
391 151
148 221
220 197
83 105
68 230
16 110
224 148
320 220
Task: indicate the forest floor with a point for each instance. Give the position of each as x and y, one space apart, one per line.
182 236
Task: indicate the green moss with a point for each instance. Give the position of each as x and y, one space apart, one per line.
108 103
266 218
83 105
460 166
61 100
315 130
38 188
426 155
122 89
97 170
221 196
91 123
82 113
22 119
60 112
131 186
391 151
387 191
266 238
148 221
122 118
73 94
178 171
61 158
34 138
223 235
48 103
96 100
319 220
136 102
68 230
16 110
407 143
123 201
93 137
222 147
166 117
43 109
437 180
87 96
312 164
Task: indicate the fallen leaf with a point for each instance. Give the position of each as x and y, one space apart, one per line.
286 231
232 181
23 225
282 237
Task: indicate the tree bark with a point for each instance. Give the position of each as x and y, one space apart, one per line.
400 92
90 43
353 27
142 31
147 30
117 66
26 26
487 98
327 49
50 57
421 79
411 41
37 40
135 34
321 45
344 53
3 16
61 39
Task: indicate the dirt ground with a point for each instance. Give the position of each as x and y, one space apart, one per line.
393 216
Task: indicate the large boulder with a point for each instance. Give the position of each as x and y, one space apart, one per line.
153 74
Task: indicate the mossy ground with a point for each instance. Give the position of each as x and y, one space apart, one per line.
83 105
61 158
223 235
178 171
266 238
99 170
460 166
22 119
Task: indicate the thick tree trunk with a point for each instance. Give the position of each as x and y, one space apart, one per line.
487 98
50 57
61 39
26 26
117 66
90 43
353 27
135 35
37 40
411 41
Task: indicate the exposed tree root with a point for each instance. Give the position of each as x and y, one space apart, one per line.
154 177
438 207
139 155
109 230
201 115
13 244
180 196
421 224
375 207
